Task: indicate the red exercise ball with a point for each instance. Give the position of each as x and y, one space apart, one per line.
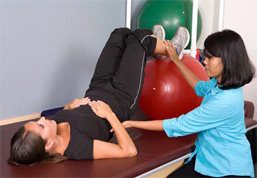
166 94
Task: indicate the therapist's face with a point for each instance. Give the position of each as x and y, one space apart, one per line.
213 67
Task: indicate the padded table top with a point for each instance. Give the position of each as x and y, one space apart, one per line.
154 149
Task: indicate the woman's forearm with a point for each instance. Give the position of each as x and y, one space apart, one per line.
148 125
190 77
123 138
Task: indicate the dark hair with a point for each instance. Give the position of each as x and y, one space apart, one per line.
28 148
238 70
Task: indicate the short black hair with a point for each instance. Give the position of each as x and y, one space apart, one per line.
238 70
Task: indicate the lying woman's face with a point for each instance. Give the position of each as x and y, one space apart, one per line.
46 128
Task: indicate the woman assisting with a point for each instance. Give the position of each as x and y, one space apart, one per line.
222 148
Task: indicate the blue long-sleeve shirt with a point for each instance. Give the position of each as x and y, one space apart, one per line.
221 147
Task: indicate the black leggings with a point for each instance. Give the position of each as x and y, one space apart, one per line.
187 170
120 67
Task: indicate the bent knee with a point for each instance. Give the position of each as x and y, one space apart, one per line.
124 31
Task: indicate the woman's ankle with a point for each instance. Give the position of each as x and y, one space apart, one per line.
160 47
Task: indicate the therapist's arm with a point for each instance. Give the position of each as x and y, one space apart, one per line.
190 77
147 125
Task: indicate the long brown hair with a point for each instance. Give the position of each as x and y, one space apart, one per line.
28 148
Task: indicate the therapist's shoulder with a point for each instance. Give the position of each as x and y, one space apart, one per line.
231 96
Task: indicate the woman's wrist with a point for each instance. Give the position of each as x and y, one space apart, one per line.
110 116
176 61
132 124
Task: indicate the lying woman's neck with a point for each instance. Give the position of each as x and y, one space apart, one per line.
62 138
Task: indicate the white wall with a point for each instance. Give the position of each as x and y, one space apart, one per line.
209 11
241 16
49 48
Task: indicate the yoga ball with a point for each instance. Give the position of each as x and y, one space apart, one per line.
165 93
170 14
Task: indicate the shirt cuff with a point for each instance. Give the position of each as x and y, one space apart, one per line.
167 127
197 87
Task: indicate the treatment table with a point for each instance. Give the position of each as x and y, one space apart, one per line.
155 152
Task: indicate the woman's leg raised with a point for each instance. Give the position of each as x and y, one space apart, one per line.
128 80
110 58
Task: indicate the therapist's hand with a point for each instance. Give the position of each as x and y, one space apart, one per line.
172 54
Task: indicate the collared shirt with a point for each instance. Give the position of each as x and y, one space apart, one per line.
221 147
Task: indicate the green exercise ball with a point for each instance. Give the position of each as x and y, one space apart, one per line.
170 14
